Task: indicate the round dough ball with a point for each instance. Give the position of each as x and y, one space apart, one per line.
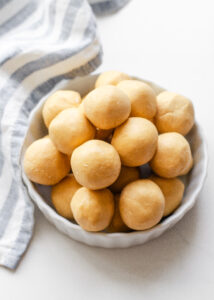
62 194
95 164
117 224
173 190
152 120
107 107
57 102
189 166
135 141
127 175
173 156
69 129
81 107
110 78
141 204
44 164
142 97
175 113
102 134
93 210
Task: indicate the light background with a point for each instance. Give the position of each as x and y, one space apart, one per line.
172 44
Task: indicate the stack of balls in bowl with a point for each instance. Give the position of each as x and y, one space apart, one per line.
104 138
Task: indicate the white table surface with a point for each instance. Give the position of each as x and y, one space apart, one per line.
170 43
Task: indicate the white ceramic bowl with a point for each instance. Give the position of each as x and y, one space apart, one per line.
41 195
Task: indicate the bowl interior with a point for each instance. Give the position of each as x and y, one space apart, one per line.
41 194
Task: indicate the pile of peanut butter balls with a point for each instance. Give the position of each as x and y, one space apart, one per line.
95 146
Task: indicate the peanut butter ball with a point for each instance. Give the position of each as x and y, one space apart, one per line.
117 224
135 141
93 210
110 78
152 120
188 167
107 107
127 175
81 107
173 190
62 194
141 204
175 113
57 102
142 97
69 129
95 164
44 164
173 156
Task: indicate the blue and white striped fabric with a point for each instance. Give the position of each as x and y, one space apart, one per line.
42 42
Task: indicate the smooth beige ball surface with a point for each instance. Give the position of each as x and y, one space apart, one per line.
110 78
135 141
173 190
44 164
142 97
81 107
62 194
57 102
93 210
173 156
107 107
69 129
141 204
117 224
189 166
127 175
95 164
175 113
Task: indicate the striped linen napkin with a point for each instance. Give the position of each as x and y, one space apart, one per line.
42 43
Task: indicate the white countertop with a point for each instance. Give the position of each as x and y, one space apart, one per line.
172 44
